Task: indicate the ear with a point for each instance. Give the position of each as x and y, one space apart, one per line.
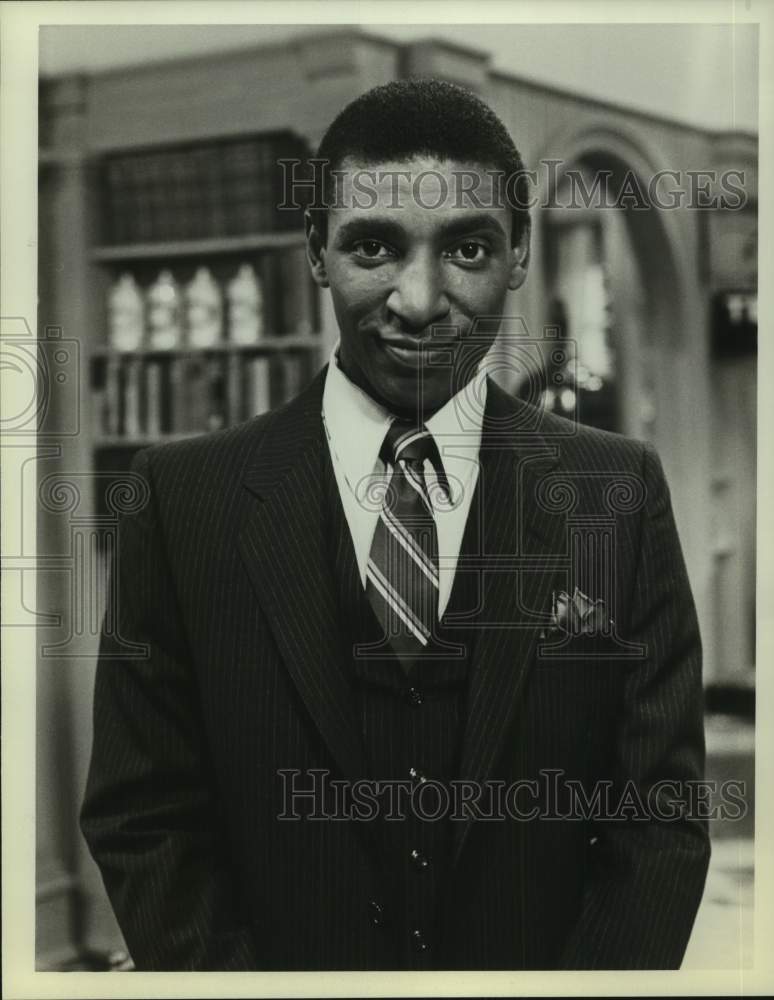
520 258
315 252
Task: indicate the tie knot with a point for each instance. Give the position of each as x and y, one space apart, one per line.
405 441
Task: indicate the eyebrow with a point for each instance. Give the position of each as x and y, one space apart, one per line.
389 227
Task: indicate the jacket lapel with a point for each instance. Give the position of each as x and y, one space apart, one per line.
282 543
522 544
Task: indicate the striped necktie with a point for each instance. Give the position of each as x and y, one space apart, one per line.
402 576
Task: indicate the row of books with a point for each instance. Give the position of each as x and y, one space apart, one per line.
201 190
136 397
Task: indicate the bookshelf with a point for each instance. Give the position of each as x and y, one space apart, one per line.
147 396
193 248
180 210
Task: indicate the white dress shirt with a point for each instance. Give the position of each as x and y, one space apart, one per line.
355 427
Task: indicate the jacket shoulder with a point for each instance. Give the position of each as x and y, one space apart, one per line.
580 446
207 461
576 445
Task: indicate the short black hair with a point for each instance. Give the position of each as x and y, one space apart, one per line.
420 117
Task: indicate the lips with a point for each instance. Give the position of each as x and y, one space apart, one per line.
406 354
412 352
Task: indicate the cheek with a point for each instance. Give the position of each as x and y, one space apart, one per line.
355 290
480 293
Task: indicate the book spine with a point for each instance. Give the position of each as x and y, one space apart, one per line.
145 205
117 201
216 394
133 372
290 147
98 408
98 411
153 402
246 186
172 195
112 425
177 391
258 386
234 380
197 394
213 190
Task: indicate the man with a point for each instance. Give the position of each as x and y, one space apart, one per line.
422 686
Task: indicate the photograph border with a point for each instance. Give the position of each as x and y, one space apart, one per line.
19 22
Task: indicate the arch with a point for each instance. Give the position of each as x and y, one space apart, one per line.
672 328
624 145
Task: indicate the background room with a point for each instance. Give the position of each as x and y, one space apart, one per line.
177 296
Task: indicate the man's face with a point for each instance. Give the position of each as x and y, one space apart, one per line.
411 263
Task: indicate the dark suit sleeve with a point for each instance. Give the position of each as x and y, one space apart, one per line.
647 874
150 812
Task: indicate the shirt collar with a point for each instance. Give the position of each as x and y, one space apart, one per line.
356 425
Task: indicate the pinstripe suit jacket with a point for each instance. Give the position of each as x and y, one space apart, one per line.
220 665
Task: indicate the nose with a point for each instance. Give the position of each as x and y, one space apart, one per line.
418 298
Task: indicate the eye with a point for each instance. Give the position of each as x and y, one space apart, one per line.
469 252
372 249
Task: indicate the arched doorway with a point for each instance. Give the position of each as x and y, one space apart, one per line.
612 286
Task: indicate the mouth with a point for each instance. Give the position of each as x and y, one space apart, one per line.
412 353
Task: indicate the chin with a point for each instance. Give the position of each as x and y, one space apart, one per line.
410 401
400 392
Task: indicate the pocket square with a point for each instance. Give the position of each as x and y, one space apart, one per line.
577 615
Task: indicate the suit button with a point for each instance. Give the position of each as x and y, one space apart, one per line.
376 913
419 860
418 940
417 776
414 696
